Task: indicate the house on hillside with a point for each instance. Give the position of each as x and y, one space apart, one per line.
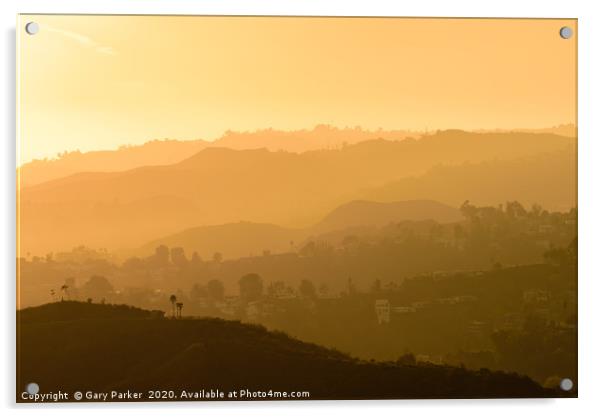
536 296
253 310
403 310
383 311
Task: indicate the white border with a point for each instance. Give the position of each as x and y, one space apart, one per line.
590 203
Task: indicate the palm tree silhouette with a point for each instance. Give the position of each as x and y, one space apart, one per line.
64 289
180 305
173 300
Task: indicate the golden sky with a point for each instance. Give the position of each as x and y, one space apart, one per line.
98 82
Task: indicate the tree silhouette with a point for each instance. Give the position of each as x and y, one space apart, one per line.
161 257
64 290
178 257
215 290
562 256
195 260
179 306
376 286
407 358
251 287
307 289
173 299
198 291
217 257
98 287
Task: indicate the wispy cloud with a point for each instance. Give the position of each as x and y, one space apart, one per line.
82 40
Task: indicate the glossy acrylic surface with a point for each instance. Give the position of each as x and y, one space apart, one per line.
263 208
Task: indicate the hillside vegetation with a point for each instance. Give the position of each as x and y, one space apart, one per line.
104 347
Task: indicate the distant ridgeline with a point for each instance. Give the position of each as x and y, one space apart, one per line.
114 208
105 347
171 151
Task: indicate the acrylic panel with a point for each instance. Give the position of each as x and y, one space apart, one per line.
295 208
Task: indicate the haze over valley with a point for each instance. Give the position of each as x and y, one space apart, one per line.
124 210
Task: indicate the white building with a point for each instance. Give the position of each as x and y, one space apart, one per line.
383 311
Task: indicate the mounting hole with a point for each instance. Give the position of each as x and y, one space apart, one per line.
566 384
566 32
32 28
32 388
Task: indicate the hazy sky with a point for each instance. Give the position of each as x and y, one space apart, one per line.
97 82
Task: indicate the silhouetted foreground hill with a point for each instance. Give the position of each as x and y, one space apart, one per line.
73 346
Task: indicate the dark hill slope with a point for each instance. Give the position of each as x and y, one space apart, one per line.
142 353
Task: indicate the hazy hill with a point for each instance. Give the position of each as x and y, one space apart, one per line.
156 152
548 179
143 353
166 152
370 213
218 186
568 130
320 137
235 240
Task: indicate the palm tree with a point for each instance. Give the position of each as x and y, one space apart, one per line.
180 305
64 289
173 300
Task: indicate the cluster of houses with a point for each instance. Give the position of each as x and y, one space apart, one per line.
535 301
384 310
553 308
